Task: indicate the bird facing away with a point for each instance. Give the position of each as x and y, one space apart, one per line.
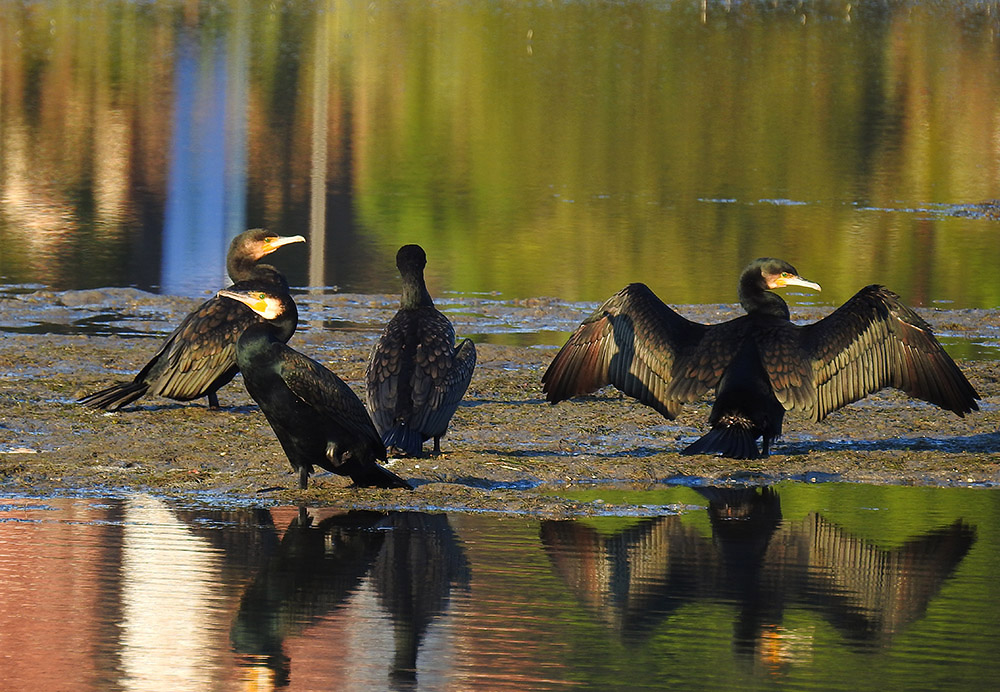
416 376
316 417
760 364
199 357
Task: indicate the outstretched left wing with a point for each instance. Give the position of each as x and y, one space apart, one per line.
872 341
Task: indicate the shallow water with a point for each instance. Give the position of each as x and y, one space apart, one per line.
822 586
535 149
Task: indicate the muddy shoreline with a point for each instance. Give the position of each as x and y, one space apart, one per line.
507 451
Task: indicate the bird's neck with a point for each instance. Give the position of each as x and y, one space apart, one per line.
415 293
241 268
258 343
757 300
250 271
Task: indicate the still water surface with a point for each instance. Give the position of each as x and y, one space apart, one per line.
535 149
827 586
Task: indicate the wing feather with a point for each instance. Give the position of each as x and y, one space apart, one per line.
329 395
449 385
201 350
646 350
416 375
875 341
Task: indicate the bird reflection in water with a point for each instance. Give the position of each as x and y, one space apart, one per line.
636 579
413 561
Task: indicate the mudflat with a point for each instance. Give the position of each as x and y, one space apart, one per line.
507 450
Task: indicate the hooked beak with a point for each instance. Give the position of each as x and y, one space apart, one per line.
254 301
272 244
795 280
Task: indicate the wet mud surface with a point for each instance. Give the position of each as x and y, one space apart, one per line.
507 450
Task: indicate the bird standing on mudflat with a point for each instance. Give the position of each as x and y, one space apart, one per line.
416 376
317 418
199 357
761 364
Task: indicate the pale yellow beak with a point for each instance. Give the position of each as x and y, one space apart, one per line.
799 281
272 244
255 301
783 280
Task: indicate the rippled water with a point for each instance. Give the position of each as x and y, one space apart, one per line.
824 586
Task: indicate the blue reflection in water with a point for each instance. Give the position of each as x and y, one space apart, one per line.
206 184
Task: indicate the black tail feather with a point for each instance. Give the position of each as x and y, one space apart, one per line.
403 439
730 441
115 396
375 476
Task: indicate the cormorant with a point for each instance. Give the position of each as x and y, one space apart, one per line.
416 376
316 417
199 357
761 364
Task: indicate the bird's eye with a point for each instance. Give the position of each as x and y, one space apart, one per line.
785 275
261 296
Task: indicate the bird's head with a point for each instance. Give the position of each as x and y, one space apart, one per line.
411 258
776 273
259 242
267 305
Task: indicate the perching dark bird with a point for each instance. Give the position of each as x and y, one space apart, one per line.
316 417
416 376
761 364
199 357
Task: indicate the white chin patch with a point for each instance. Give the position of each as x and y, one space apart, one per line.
269 308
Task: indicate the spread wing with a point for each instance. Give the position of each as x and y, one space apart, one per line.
199 356
872 341
641 346
201 353
440 394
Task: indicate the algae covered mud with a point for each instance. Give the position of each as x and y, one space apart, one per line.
506 451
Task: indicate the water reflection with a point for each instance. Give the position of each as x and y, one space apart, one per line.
620 138
142 593
413 560
638 578
206 180
168 622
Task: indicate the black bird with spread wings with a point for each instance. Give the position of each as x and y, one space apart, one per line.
316 416
416 376
760 364
199 357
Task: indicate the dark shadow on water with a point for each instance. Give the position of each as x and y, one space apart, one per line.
983 442
481 483
109 324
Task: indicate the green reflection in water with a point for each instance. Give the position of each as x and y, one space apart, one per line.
557 149
873 544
